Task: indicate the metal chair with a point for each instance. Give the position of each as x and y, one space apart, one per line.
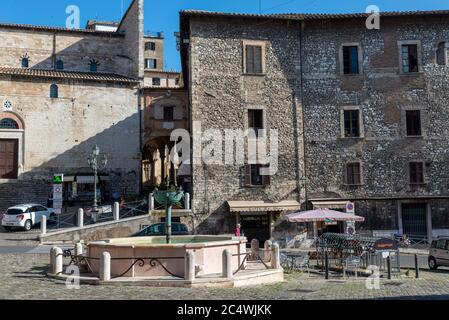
303 263
351 262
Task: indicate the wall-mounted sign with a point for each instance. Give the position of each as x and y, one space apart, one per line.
58 178
350 207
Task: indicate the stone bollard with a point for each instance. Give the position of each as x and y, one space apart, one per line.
44 225
227 264
254 249
116 211
56 261
267 250
80 218
275 257
79 249
187 201
189 271
105 266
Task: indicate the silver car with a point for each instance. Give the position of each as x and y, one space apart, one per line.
439 253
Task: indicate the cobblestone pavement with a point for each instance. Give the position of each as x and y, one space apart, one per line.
23 277
19 238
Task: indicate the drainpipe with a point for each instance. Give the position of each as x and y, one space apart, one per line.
301 87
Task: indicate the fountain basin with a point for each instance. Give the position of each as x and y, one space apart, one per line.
152 257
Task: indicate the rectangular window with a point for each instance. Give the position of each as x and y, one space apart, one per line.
353 175
169 113
150 64
416 172
352 123
350 60
156 81
150 46
413 122
253 176
255 120
253 59
409 58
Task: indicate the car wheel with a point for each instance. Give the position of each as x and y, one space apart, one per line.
28 225
433 263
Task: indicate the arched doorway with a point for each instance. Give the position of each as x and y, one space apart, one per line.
11 145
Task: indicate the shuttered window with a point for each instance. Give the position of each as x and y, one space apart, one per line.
254 59
353 175
416 170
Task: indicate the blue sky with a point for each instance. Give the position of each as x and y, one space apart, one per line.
163 15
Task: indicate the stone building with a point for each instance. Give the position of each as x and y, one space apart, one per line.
62 92
361 116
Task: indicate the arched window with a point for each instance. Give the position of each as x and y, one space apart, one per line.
59 65
8 123
54 91
25 62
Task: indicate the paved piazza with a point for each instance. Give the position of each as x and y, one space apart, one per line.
23 277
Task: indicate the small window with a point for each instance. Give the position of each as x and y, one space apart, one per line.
8 123
441 244
350 60
442 54
150 64
352 123
169 113
59 65
253 176
353 174
409 58
54 91
416 172
25 63
150 46
253 59
413 122
156 81
93 66
255 120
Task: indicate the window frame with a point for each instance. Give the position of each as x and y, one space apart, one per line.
423 172
445 53
53 87
59 65
150 48
168 119
263 56
359 60
360 121
419 56
407 122
158 80
262 112
27 64
17 126
150 59
360 174
248 176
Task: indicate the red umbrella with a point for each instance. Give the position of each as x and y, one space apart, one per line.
322 215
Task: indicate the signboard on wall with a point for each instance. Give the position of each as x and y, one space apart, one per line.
58 179
350 207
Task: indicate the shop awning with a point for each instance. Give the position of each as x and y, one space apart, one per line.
257 206
322 215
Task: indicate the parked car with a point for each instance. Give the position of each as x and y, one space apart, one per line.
439 253
178 229
25 216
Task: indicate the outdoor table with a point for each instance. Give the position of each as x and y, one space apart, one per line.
293 256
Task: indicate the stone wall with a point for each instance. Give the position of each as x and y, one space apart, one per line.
383 94
221 96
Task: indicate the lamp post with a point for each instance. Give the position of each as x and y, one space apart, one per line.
96 164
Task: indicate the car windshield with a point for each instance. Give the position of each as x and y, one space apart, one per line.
14 212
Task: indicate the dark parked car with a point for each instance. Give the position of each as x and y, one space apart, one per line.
178 229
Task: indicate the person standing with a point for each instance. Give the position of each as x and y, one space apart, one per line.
238 230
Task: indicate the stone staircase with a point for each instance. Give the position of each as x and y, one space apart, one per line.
18 192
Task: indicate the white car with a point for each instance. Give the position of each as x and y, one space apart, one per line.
25 216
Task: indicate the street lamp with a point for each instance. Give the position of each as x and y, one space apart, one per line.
96 164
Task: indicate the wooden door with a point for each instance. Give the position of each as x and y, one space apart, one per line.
9 155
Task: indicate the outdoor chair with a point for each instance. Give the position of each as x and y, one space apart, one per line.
351 262
303 263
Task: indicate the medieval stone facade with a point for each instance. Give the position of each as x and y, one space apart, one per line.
361 114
